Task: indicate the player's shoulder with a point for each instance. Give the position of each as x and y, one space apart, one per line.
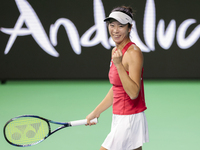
133 48
134 51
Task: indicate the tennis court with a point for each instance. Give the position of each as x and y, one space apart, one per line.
173 112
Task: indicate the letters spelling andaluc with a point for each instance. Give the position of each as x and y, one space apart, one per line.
164 37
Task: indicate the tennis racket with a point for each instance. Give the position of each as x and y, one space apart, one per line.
28 130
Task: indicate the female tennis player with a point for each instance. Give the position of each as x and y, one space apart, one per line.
129 126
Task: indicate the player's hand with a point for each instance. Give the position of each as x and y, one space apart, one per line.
117 57
90 117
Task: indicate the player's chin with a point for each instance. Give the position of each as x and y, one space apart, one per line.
117 41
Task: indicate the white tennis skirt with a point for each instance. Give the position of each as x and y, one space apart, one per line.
128 132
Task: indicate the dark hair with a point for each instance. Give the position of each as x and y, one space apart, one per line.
125 9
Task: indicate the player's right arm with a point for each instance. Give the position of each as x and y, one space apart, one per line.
105 104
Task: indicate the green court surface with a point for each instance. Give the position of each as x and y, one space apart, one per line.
173 112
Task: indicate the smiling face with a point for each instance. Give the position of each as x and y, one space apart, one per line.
119 32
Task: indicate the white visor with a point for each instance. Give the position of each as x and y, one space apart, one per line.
120 16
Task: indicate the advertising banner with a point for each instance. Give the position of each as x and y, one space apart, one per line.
64 39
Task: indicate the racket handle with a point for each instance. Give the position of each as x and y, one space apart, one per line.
82 122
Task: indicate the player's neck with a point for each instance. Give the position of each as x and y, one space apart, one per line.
123 44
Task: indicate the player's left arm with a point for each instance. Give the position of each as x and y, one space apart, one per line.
134 60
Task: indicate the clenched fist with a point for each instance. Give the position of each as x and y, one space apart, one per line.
117 57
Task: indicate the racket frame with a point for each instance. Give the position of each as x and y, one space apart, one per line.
64 125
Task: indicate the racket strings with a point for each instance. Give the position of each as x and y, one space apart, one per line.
16 136
26 130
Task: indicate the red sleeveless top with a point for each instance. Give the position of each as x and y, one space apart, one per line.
122 104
